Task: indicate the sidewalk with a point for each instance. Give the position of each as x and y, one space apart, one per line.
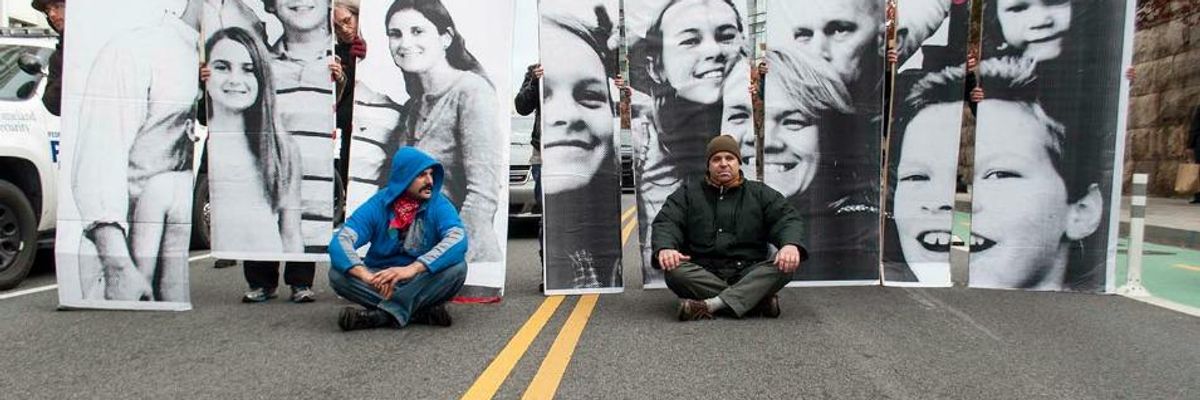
1169 221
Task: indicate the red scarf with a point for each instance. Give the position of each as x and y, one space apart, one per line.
404 211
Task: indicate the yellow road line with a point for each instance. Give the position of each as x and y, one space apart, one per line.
490 380
1187 267
627 231
628 213
550 374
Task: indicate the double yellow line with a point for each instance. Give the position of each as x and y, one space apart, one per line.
554 366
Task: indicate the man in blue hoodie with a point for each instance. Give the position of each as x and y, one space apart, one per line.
417 259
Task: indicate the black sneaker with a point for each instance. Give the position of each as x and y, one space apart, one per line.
258 295
353 318
223 263
303 294
436 316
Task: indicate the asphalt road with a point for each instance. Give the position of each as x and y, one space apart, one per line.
866 342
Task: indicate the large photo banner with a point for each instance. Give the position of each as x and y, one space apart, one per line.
437 78
822 128
270 124
690 73
581 178
1047 144
926 121
131 85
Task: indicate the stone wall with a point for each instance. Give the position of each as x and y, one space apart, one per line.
1162 99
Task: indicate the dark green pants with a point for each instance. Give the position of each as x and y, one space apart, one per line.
741 288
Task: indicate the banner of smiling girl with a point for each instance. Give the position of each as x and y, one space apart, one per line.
690 73
124 218
270 123
926 123
581 182
438 80
1049 143
822 128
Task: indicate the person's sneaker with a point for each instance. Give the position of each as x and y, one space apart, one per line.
258 295
767 307
223 263
303 294
436 316
353 318
693 310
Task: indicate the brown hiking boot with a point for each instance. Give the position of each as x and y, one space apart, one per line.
693 310
767 307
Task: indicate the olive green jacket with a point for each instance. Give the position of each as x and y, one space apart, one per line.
717 225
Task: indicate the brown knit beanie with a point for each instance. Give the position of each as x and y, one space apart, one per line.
723 143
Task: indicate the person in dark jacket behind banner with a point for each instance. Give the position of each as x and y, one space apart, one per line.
349 49
711 236
56 15
1194 144
417 259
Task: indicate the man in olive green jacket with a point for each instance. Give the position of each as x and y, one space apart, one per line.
711 236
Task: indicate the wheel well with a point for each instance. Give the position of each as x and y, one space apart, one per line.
24 175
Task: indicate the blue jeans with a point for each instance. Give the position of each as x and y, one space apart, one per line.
422 292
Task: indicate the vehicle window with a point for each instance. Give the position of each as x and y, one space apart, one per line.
15 84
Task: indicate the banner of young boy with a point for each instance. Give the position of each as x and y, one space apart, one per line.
822 128
1048 144
690 73
438 80
270 123
926 122
581 179
130 92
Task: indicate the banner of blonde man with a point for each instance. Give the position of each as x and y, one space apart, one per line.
581 179
128 144
270 125
823 108
1049 143
926 123
438 80
690 74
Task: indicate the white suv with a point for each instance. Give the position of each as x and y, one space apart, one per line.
28 152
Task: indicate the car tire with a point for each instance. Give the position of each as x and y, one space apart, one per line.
201 212
18 235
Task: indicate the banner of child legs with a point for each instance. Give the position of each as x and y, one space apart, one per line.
438 79
270 124
688 68
124 218
581 179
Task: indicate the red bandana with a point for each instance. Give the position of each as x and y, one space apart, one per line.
404 211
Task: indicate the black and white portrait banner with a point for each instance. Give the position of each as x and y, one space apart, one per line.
689 70
270 123
581 179
822 127
1048 144
129 136
437 78
926 123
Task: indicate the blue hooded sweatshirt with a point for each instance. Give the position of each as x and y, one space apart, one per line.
436 237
